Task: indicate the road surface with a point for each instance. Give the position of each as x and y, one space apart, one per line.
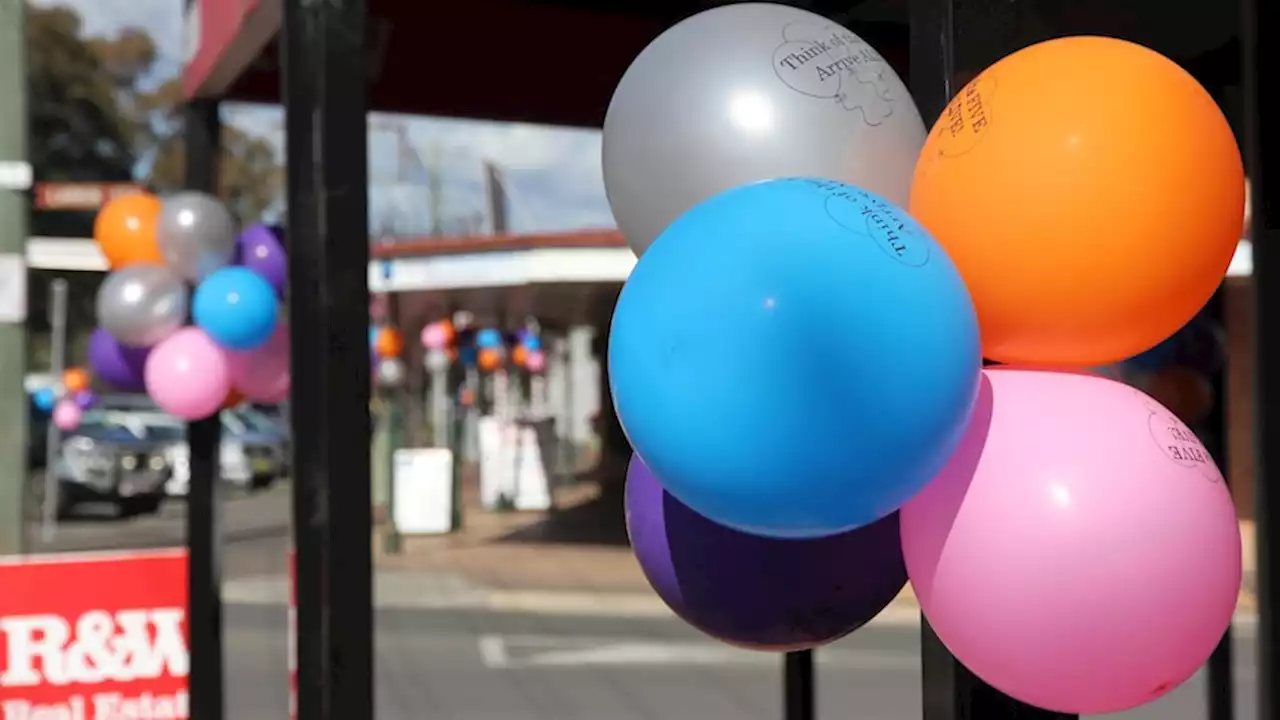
480 665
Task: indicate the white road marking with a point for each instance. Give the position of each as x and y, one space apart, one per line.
493 652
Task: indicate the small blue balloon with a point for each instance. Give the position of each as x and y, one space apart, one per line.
488 338
795 358
469 355
532 342
237 308
45 398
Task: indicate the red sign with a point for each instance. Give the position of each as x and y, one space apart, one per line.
80 195
94 637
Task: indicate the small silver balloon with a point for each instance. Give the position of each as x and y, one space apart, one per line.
749 92
391 372
196 234
436 360
140 305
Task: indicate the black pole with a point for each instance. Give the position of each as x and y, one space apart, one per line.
323 86
1261 156
799 693
950 691
1221 690
203 129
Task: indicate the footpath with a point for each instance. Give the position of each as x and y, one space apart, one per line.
571 562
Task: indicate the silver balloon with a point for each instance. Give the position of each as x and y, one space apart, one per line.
390 372
436 360
196 234
750 92
140 305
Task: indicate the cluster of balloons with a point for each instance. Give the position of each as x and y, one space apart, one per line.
386 346
67 400
193 351
1068 537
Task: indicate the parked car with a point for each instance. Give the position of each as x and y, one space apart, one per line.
254 453
110 458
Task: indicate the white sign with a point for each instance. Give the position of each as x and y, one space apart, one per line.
15 175
13 288
423 487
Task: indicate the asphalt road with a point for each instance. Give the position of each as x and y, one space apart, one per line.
480 665
486 666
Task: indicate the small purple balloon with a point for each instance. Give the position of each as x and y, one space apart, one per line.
86 399
260 251
117 365
760 593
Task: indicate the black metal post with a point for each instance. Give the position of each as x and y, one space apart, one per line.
323 86
1262 155
950 691
798 690
1221 685
203 130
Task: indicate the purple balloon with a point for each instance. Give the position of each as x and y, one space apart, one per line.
118 365
260 251
86 399
755 592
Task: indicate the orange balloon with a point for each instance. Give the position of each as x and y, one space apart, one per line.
126 230
1186 393
519 355
446 327
489 359
75 380
234 398
389 343
1090 191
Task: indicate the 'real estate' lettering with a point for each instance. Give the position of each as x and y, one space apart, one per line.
101 647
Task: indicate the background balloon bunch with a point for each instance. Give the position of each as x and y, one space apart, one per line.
66 400
386 346
1069 538
194 351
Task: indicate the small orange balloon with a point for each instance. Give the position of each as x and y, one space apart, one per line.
126 230
1090 192
447 329
489 359
389 343
75 380
519 355
234 398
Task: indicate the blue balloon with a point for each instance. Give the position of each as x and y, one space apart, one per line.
45 398
373 337
237 308
488 338
469 355
795 358
532 342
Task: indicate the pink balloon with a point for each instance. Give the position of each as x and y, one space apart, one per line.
1080 551
187 374
536 362
435 337
262 374
66 415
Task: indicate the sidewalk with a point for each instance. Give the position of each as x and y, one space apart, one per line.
574 562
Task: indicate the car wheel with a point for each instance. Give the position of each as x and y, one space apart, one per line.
139 505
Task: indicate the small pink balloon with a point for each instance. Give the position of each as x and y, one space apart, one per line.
435 337
66 415
187 374
1080 552
262 374
536 362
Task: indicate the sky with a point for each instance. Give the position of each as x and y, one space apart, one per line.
552 175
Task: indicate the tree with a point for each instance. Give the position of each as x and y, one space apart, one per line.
98 115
